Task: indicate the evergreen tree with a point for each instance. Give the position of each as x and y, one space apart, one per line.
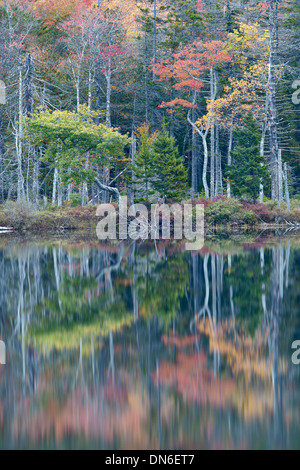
249 168
170 177
143 166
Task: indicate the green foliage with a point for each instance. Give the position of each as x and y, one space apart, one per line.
158 166
225 211
70 318
75 200
144 164
249 168
73 143
162 290
170 176
247 280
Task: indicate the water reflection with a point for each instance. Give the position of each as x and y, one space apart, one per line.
140 346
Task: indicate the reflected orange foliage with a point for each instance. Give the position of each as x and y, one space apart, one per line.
244 354
194 382
178 341
117 411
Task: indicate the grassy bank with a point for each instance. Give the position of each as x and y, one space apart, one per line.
222 211
22 218
219 212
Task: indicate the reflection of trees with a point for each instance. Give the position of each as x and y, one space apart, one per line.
193 379
85 325
59 299
162 288
248 281
245 386
242 332
77 312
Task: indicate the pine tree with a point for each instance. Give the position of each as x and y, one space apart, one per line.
249 168
170 176
143 167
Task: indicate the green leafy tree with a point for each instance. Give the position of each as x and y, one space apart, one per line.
249 168
73 143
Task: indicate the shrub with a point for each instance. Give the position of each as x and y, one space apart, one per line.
16 212
262 212
16 209
295 202
224 211
293 216
75 200
249 218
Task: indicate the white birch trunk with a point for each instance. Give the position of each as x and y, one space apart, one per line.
229 160
19 134
54 190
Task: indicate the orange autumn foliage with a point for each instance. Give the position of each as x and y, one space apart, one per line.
53 11
188 65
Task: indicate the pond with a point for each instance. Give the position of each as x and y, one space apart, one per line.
142 346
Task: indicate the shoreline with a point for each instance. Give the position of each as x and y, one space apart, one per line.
220 215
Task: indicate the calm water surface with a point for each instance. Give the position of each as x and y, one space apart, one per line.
144 347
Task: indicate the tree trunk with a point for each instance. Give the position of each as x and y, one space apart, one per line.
85 194
280 174
212 161
77 98
203 134
35 179
108 95
28 85
154 38
229 159
205 164
90 90
212 135
98 91
146 81
219 176
272 111
59 192
109 189
286 183
19 134
194 158
262 153
54 190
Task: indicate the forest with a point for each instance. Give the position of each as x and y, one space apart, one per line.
187 99
146 344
